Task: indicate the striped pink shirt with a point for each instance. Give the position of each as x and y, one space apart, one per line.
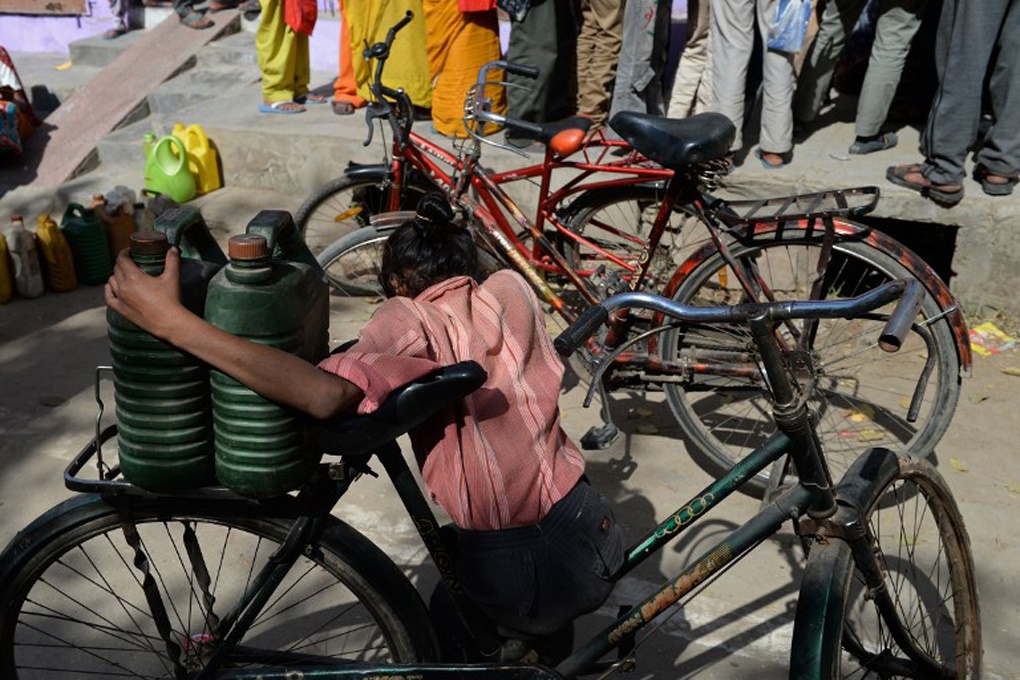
500 459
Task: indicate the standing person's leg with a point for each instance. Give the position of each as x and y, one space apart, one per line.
302 63
815 79
692 87
543 38
274 45
966 36
778 81
189 16
731 41
345 88
999 157
634 71
598 50
894 32
119 13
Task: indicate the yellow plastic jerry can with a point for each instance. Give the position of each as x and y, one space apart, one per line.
202 159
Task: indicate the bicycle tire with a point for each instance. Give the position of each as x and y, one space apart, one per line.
70 593
346 204
861 402
618 219
924 553
351 264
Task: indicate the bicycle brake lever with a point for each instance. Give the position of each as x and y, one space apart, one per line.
370 121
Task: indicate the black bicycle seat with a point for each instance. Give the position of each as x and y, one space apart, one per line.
406 408
676 142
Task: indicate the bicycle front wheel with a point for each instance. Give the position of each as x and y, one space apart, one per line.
352 263
72 601
923 551
346 204
860 394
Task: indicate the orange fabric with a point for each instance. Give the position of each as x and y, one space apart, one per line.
476 5
345 88
300 15
458 45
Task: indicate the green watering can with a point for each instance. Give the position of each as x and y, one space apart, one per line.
166 170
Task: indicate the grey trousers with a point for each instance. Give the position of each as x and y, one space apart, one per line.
642 58
543 39
897 24
731 42
967 35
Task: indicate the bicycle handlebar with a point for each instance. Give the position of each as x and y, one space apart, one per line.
908 291
477 105
380 51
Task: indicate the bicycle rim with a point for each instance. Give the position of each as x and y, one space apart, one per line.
924 552
77 608
352 263
345 205
859 393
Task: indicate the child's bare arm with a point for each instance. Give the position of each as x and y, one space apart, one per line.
153 304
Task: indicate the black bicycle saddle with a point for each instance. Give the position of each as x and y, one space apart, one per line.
676 142
406 408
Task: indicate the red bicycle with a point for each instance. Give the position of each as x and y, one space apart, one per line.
637 215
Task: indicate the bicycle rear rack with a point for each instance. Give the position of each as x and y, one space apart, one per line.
853 202
107 480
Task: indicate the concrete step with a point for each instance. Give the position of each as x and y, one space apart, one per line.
200 84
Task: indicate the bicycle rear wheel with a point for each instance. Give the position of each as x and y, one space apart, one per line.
72 603
924 553
860 394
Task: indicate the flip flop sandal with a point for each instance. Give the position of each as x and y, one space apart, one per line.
277 107
884 141
196 20
250 6
785 159
309 98
342 108
946 194
995 188
115 32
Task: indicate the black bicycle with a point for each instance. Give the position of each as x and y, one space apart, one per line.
120 582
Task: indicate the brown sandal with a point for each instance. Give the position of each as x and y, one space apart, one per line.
946 194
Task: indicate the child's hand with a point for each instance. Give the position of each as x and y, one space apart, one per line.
153 303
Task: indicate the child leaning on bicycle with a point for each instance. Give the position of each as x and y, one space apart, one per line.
537 545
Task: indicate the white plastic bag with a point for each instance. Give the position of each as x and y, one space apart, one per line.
789 27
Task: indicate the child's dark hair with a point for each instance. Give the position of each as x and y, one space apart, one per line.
426 250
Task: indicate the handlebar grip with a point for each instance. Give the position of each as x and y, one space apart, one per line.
578 332
531 130
902 318
521 70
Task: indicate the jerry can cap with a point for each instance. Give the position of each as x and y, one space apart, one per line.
149 243
247 247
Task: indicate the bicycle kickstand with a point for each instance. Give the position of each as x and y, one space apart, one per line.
600 437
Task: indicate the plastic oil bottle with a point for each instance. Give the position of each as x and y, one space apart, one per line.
164 413
262 449
56 255
6 272
28 278
87 238
119 224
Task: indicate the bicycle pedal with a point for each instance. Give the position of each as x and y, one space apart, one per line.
599 437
